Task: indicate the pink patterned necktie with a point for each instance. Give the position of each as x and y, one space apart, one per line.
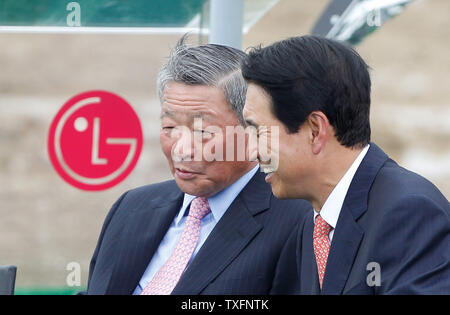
321 245
167 277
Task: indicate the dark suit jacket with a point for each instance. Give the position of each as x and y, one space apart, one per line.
391 217
240 256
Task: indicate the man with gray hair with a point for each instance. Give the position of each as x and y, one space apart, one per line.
216 228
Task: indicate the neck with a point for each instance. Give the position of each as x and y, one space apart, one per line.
333 167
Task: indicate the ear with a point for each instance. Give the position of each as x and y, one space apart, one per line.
319 130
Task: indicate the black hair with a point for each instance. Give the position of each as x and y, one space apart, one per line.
311 73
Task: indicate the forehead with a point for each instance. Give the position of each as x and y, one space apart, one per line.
193 100
257 109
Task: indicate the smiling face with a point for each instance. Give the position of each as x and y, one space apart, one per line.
193 136
291 152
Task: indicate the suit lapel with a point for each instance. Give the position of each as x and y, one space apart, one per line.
229 237
348 234
344 247
309 280
144 230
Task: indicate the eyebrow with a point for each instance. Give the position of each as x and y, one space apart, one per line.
251 123
166 113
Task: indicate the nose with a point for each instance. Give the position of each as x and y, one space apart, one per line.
183 147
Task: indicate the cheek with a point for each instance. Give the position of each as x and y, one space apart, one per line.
217 171
294 166
166 145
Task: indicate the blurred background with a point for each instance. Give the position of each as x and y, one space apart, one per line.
45 223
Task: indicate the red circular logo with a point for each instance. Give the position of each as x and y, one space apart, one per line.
95 140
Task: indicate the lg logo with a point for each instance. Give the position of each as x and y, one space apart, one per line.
95 140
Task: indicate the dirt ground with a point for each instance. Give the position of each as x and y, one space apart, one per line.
46 224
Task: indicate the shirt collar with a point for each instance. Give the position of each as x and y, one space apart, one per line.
220 202
332 206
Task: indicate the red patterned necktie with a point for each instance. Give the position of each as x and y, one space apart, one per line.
321 245
170 273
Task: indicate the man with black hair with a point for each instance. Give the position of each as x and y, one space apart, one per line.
377 228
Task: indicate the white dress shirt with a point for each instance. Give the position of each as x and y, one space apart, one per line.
333 205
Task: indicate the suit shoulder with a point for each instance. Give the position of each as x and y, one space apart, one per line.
160 189
397 174
166 189
396 185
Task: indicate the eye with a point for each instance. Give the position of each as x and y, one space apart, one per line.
167 129
204 134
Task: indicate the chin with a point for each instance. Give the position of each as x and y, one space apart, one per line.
281 192
187 188
278 192
192 188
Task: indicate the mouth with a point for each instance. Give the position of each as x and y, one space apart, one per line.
184 173
269 171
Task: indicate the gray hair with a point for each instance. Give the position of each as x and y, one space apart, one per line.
213 65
